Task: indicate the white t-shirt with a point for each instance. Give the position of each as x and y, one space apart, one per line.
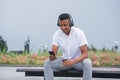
69 44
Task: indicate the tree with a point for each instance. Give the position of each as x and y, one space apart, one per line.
26 46
3 45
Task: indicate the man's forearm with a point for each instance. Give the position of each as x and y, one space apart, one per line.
80 58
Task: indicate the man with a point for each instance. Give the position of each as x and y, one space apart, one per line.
73 44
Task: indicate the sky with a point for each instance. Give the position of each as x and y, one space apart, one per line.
37 19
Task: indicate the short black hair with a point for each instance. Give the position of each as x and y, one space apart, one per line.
64 16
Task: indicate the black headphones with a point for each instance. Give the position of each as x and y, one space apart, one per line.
65 16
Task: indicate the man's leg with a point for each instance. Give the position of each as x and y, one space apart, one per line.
50 65
48 71
87 69
86 66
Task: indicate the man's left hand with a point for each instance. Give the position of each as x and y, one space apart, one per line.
68 62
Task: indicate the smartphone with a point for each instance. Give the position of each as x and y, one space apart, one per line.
51 53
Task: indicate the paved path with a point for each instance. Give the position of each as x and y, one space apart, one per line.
9 73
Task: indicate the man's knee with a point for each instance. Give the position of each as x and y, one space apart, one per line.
46 62
87 62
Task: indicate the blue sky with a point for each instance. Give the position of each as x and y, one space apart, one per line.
100 20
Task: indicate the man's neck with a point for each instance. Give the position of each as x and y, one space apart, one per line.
68 32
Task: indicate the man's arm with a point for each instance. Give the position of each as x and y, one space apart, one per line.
54 49
84 54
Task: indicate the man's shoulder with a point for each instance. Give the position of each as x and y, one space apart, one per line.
76 29
58 32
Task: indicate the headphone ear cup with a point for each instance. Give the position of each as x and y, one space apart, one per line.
58 24
72 24
71 21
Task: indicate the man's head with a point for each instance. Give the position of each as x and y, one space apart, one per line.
65 22
65 16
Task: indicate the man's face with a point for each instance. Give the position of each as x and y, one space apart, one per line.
65 26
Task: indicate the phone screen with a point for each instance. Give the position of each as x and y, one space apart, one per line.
51 53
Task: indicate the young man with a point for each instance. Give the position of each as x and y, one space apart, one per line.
73 44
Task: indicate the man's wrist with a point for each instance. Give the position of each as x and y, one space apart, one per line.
75 60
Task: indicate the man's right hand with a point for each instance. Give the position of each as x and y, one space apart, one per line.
52 57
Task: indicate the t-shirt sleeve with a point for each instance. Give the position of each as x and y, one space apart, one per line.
55 40
82 39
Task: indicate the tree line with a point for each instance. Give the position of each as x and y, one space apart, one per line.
3 45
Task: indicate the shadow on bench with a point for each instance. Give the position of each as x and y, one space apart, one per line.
96 72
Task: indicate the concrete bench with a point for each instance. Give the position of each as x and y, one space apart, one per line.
96 72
